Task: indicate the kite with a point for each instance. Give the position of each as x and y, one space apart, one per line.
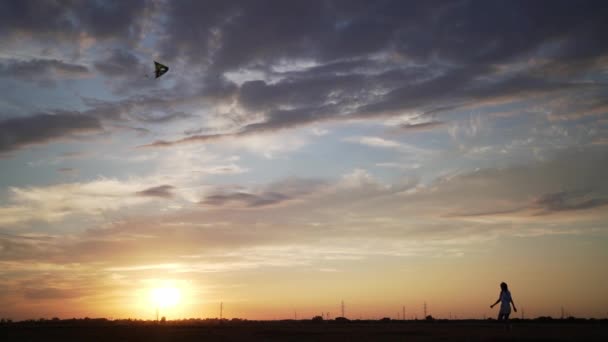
160 69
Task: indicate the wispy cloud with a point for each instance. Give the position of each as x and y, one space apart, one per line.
162 191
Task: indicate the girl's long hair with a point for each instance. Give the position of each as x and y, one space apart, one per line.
504 287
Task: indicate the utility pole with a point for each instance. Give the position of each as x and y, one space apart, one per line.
221 310
562 312
343 308
424 310
157 313
522 313
403 312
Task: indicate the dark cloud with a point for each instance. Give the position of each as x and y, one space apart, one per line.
41 70
18 132
164 118
271 194
70 19
330 60
383 58
246 199
119 63
150 106
192 139
294 102
35 16
567 201
162 191
232 34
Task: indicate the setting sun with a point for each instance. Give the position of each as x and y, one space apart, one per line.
165 297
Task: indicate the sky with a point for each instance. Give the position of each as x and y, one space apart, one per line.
302 153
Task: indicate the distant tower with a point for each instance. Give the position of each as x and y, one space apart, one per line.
522 313
221 310
424 310
403 312
562 313
157 314
343 308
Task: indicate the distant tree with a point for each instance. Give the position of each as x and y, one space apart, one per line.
385 319
429 318
317 319
342 319
163 319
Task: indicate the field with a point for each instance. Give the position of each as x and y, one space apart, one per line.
92 330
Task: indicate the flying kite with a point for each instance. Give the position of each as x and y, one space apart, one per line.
160 69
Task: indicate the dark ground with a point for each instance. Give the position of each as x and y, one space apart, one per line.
304 331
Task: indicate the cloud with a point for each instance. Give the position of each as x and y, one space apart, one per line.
527 193
162 191
269 195
246 199
165 118
49 19
378 142
16 133
228 169
409 218
567 201
67 170
326 31
340 61
374 142
55 203
421 127
119 63
44 70
404 166
52 293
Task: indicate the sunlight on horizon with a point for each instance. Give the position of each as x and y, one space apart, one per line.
164 297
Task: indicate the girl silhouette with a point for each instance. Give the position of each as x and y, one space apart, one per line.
505 300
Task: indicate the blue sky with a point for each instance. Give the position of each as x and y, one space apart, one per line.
341 140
